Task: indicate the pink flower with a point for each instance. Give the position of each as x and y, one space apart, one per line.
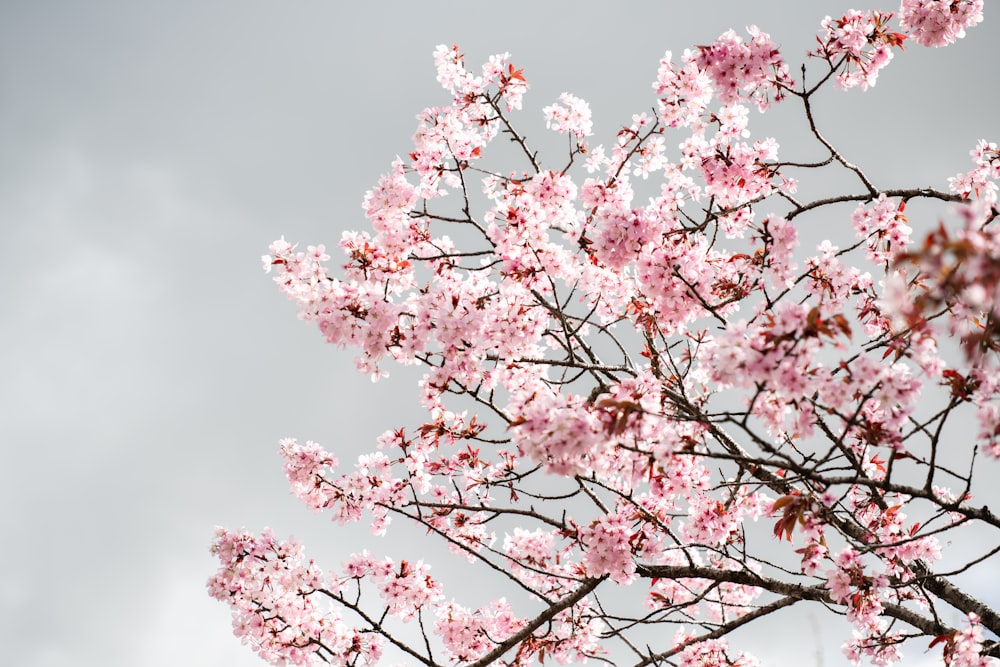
570 115
939 22
861 43
276 609
884 229
754 69
305 467
609 548
683 93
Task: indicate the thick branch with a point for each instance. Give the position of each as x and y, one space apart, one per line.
721 631
546 616
817 593
928 193
958 598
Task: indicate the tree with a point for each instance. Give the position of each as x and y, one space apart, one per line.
616 391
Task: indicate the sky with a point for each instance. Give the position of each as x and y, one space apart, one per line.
152 150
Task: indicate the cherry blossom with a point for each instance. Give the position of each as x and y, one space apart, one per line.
662 386
858 46
278 607
939 22
753 68
570 115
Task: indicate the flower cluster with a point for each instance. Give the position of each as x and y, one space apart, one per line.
571 115
609 548
964 647
372 487
273 594
683 93
883 227
469 635
863 42
861 593
406 587
754 69
962 270
711 653
939 22
980 182
305 466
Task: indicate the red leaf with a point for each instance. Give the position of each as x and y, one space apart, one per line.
950 637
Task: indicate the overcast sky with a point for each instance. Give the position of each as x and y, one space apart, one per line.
149 152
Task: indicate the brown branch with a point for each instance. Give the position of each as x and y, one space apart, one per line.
719 632
583 591
908 193
817 593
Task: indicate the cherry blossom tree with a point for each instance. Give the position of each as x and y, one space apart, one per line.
657 421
